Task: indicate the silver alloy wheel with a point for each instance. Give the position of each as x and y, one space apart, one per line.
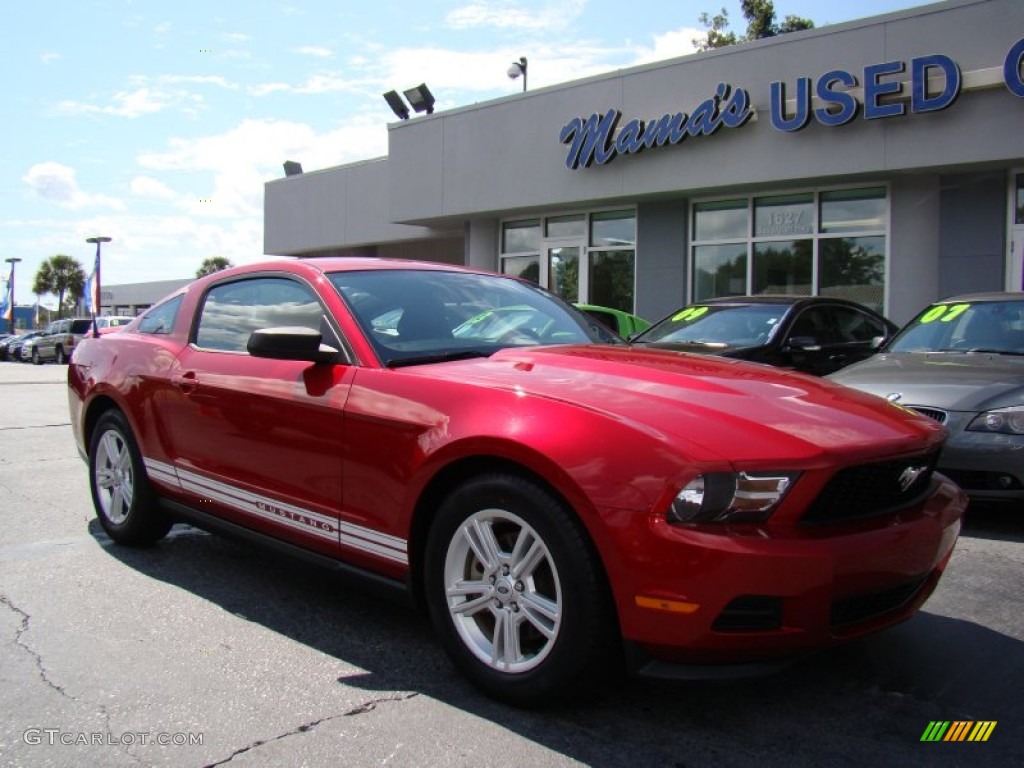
503 591
114 478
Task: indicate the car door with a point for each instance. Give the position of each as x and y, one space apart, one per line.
808 341
855 335
254 440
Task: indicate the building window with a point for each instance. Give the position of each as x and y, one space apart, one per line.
829 242
588 258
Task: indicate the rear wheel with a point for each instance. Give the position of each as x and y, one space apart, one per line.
515 592
59 355
124 500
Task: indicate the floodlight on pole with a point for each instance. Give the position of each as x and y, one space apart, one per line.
94 281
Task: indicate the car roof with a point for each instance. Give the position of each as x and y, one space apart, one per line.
967 298
778 298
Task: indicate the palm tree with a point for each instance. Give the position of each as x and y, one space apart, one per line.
60 274
213 264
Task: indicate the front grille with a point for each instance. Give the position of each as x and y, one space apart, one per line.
935 414
851 610
873 489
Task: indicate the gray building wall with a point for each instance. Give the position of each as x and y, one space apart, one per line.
506 156
972 241
661 279
132 298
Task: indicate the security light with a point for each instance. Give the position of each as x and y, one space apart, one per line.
397 105
420 98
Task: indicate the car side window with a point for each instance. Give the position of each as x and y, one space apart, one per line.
813 322
856 326
232 311
160 319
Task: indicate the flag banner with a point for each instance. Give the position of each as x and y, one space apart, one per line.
5 301
91 303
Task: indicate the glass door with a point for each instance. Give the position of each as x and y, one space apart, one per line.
1015 258
564 270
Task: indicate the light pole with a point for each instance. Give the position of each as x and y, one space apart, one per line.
10 323
94 299
518 68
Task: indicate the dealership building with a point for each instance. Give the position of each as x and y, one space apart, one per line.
880 159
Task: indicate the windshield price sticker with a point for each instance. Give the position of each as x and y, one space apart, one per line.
943 313
688 314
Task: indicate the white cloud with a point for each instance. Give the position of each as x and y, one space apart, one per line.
199 80
319 82
146 186
496 13
136 103
315 50
242 159
48 56
670 45
57 183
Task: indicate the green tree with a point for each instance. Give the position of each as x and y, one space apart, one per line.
60 275
213 264
760 16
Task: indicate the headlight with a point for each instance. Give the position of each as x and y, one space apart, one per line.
1008 421
731 497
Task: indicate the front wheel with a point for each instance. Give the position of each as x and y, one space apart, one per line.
59 356
36 359
124 500
515 592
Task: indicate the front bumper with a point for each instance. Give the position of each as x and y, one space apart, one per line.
988 466
757 594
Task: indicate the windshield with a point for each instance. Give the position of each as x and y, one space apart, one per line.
422 316
982 326
726 325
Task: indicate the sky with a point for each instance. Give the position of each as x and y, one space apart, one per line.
157 122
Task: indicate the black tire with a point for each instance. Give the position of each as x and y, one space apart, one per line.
125 502
36 359
59 356
554 602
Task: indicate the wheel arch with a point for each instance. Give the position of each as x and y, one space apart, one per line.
457 472
98 406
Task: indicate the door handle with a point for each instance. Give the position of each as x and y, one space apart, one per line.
186 382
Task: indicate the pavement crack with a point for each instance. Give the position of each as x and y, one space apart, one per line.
372 704
306 727
18 641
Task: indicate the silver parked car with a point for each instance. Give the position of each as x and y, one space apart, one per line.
961 362
58 341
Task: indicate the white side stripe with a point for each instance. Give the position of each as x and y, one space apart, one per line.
296 518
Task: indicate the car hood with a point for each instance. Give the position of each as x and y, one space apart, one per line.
729 409
948 380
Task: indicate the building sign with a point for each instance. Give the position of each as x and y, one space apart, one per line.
834 98
595 139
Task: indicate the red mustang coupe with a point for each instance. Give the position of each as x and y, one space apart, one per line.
559 501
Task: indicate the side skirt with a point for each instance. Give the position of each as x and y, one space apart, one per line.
392 588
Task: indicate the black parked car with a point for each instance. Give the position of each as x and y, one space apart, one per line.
813 334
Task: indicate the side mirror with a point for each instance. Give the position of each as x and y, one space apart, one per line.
290 343
804 343
879 341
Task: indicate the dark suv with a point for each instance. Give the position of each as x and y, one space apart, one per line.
59 339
